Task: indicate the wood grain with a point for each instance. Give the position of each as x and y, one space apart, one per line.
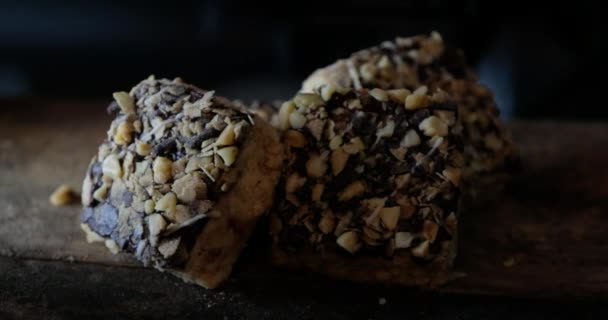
550 224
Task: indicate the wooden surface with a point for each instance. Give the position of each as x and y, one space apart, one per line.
551 224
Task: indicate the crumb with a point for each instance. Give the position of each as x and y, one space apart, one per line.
381 301
63 195
509 262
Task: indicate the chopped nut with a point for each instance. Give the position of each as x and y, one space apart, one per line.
227 136
178 168
195 162
149 206
308 100
92 236
156 224
390 216
349 241
294 182
338 160
124 133
189 188
433 126
327 91
163 170
416 101
352 190
384 62
62 196
422 90
422 250
398 153
111 167
403 239
379 94
335 143
143 148
286 109
367 71
168 247
137 126
399 95
327 222
208 144
316 128
317 192
87 191
125 102
295 139
410 139
387 130
454 175
354 146
167 203
430 230
402 180
228 155
316 166
112 246
297 120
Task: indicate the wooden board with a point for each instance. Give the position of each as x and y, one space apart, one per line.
551 223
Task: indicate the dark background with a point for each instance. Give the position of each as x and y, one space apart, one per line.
543 62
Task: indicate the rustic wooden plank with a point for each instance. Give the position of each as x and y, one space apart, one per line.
550 222
41 147
75 291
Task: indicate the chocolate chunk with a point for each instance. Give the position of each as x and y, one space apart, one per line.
165 147
196 141
127 198
102 219
418 116
113 108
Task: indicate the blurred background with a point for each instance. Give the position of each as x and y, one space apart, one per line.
542 62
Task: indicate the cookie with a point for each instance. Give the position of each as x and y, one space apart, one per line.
180 180
406 63
372 185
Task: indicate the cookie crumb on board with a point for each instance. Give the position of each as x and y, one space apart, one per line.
509 262
64 195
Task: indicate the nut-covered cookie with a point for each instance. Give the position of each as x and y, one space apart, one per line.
371 188
180 180
407 63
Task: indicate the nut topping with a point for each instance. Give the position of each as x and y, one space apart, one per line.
349 241
352 190
389 165
163 170
111 167
390 217
338 161
433 126
125 102
228 155
316 166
